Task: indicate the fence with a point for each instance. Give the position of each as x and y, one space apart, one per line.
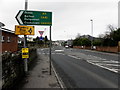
13 68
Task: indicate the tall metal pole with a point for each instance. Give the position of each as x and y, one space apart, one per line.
25 46
50 50
91 33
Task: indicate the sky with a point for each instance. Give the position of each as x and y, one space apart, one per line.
69 17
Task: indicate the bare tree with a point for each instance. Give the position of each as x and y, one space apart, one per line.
111 28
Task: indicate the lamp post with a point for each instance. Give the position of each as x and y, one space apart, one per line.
91 33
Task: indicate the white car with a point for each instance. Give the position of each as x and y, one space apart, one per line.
66 46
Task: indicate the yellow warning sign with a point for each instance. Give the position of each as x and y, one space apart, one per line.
25 50
24 30
25 53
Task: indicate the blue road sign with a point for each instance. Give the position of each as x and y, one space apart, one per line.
41 38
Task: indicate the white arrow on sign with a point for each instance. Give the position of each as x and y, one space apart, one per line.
18 17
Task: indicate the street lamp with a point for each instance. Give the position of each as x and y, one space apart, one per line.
91 33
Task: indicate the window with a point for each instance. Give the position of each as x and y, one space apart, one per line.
3 39
8 39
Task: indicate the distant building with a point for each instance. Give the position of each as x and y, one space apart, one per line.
9 41
89 37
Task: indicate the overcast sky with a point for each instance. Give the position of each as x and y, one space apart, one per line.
70 17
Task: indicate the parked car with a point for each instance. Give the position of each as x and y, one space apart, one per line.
66 46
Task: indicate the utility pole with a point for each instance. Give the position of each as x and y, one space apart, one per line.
50 50
91 33
25 45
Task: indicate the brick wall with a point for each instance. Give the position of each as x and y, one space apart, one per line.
108 49
99 48
12 44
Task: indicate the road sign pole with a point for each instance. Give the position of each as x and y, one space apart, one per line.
25 40
50 50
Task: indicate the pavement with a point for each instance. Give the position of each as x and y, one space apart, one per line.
39 75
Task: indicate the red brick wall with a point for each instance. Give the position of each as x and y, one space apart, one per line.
12 45
98 48
82 47
108 49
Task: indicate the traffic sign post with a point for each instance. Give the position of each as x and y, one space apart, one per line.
50 50
24 30
25 17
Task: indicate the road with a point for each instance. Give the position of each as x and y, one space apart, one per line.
85 68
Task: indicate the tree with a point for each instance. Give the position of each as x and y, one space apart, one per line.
75 42
81 42
111 28
45 39
85 42
97 42
112 37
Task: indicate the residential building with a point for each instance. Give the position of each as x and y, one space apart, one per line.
9 41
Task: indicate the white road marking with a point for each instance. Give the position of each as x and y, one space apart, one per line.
109 64
100 63
74 57
59 50
111 61
113 70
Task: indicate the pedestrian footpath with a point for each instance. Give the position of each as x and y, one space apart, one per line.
39 76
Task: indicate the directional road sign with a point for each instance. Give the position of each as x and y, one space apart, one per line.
41 38
24 30
25 17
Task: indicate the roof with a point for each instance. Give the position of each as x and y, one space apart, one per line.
6 30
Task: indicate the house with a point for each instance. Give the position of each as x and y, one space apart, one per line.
9 41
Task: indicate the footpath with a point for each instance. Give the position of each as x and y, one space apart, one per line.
38 77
